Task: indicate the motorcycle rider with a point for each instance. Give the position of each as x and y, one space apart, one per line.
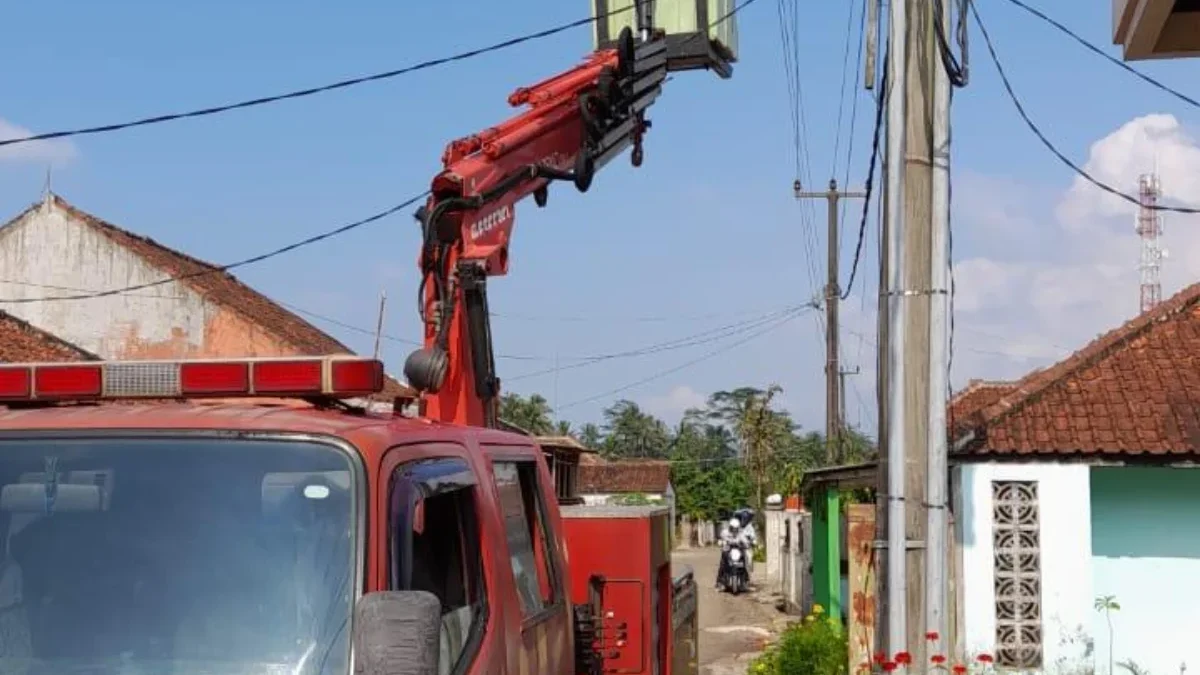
731 533
748 534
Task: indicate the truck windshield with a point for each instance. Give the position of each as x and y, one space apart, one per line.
190 556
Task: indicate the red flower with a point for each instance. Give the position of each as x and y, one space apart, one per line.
889 666
959 669
880 658
903 658
984 658
937 659
931 635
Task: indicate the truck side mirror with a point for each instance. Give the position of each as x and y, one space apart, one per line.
397 633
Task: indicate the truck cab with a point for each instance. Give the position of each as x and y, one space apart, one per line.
242 517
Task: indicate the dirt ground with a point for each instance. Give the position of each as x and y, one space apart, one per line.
732 628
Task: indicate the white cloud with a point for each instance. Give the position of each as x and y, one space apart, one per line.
670 407
53 152
1076 274
1142 145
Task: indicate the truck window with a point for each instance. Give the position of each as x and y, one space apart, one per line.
526 531
435 547
195 554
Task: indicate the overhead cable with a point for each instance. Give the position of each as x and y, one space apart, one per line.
687 364
702 337
1108 57
303 93
880 104
1083 173
219 269
705 337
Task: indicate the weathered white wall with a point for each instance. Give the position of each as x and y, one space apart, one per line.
602 499
1066 560
51 253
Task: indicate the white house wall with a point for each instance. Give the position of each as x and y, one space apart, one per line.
1146 554
1066 560
53 254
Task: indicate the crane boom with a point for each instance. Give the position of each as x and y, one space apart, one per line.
573 125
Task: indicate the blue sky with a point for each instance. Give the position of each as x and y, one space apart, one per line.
706 233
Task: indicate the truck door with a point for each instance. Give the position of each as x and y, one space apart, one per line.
435 544
534 549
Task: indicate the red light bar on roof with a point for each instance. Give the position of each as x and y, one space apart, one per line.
336 377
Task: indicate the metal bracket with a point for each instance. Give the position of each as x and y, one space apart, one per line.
911 544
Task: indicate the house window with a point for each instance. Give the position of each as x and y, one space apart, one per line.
525 527
1018 574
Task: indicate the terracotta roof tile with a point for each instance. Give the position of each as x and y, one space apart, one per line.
1133 391
625 476
21 342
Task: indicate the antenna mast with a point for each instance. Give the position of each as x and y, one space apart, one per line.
1149 229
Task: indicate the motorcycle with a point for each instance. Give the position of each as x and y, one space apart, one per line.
737 574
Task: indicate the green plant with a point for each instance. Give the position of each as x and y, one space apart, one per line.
631 499
815 646
760 554
1108 604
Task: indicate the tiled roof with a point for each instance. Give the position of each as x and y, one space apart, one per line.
1133 391
21 342
977 394
624 477
224 289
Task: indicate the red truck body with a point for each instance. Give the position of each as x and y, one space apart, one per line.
129 500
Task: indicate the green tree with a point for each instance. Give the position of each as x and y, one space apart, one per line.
590 436
764 435
531 414
630 432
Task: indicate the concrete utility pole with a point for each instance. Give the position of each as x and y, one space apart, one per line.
892 422
916 294
842 373
833 421
937 560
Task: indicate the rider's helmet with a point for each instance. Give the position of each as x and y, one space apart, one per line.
735 524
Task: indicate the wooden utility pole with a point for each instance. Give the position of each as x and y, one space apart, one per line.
833 421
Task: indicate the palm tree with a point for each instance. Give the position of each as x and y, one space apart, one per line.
1108 604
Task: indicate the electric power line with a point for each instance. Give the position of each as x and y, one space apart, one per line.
687 364
1111 59
837 135
325 235
705 337
885 93
302 93
1080 171
218 269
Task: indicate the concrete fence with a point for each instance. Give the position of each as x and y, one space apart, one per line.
695 534
789 557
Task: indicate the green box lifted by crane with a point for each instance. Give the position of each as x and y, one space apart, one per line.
701 34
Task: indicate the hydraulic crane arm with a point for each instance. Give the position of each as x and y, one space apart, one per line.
575 123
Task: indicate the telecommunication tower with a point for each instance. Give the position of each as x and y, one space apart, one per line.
1149 229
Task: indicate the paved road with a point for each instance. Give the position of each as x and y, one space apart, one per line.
732 628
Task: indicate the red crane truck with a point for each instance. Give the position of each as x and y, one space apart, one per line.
250 517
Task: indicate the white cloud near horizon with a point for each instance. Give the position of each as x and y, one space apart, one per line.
671 406
1071 271
55 152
